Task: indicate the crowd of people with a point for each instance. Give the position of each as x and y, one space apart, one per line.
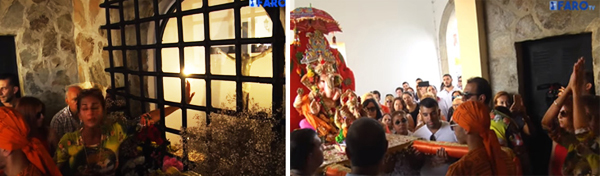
496 129
82 139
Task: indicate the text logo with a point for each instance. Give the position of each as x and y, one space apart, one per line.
571 5
253 3
267 3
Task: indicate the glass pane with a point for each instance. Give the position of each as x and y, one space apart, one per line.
117 58
151 89
222 60
217 2
171 32
259 62
193 27
134 85
198 86
172 89
174 139
223 94
221 25
115 35
196 118
119 80
174 120
260 95
194 60
170 60
191 4
150 53
256 23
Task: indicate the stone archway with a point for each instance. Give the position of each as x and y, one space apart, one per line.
443 49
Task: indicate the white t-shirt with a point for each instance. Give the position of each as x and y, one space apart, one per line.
444 134
445 100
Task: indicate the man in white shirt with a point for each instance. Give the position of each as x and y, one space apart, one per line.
434 130
445 95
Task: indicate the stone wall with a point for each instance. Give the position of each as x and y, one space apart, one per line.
90 39
511 21
45 45
88 18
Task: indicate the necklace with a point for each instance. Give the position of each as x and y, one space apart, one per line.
97 146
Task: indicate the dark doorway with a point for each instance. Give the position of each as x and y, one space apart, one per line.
544 66
9 55
8 58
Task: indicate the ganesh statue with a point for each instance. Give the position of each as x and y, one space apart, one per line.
349 111
312 41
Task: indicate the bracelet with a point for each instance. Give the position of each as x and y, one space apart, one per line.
556 104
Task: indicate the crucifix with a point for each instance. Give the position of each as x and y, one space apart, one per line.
247 61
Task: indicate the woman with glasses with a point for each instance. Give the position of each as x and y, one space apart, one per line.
574 130
389 102
33 110
407 162
399 105
372 109
400 123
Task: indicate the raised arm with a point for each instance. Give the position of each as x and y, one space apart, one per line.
155 114
263 54
580 120
221 51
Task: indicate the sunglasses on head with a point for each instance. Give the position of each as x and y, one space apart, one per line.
403 120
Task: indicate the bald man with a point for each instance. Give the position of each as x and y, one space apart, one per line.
366 145
65 121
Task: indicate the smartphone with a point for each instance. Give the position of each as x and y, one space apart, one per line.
423 84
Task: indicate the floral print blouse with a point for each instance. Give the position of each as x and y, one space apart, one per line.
73 157
583 156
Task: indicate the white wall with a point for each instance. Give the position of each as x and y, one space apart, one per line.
387 41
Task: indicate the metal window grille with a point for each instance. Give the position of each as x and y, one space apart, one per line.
277 41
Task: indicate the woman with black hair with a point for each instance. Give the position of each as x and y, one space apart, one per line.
372 109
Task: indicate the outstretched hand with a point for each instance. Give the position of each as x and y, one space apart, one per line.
188 96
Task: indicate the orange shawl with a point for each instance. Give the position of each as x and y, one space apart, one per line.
14 131
322 124
474 117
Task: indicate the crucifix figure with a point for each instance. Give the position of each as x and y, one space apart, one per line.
247 61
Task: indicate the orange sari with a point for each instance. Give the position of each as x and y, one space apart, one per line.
320 122
14 132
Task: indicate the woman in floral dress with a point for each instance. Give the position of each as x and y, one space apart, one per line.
94 149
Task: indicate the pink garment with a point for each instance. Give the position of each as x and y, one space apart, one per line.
304 124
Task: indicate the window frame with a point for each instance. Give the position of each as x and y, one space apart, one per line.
277 41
